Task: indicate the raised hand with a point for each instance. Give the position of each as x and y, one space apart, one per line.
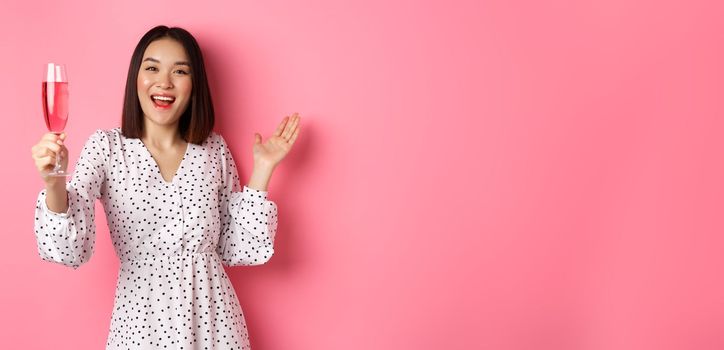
277 146
45 151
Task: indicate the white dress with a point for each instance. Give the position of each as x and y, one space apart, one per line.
171 238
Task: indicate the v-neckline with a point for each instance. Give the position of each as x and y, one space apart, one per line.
159 176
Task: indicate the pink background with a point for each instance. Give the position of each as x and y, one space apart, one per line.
470 174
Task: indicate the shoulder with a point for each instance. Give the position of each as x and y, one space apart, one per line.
218 148
104 138
106 134
215 137
106 141
216 142
113 134
112 138
98 147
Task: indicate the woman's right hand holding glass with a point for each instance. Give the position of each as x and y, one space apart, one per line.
44 153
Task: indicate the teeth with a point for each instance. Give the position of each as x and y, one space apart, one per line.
162 98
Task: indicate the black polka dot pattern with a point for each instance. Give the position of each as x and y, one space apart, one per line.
172 239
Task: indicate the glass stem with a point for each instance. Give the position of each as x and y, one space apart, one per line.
57 162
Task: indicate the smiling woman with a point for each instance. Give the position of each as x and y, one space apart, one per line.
164 84
175 206
165 65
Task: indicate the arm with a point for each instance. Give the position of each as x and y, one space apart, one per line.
248 219
260 176
56 196
67 237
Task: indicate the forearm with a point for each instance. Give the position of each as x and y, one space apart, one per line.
260 176
56 197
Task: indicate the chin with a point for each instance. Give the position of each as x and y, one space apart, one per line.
155 118
164 121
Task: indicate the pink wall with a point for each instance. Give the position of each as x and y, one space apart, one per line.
470 174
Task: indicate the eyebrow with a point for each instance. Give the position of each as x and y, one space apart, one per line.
179 63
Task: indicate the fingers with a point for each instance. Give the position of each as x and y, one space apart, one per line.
278 131
51 136
47 149
45 163
49 140
289 129
294 136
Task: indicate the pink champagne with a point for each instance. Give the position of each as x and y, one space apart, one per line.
55 105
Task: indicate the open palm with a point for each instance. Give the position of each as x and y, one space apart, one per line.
277 146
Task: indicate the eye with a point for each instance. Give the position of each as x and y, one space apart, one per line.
151 67
182 71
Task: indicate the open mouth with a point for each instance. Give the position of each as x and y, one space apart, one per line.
162 102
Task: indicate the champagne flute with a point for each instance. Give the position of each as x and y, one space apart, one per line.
55 107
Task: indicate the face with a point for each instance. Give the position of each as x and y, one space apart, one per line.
164 82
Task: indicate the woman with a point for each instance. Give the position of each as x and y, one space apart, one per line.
175 208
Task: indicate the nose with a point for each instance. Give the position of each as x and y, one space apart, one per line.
164 82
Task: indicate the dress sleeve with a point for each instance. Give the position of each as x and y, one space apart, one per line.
69 238
248 219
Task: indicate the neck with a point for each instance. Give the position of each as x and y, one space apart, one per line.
161 136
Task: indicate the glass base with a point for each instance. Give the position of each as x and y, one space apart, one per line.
58 173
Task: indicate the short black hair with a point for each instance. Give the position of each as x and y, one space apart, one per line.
197 120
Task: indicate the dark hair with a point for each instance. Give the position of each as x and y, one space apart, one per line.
197 120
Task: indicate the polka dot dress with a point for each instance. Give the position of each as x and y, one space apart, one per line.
171 238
